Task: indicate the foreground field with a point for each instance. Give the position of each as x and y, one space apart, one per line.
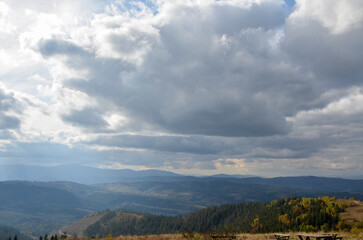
346 236
353 216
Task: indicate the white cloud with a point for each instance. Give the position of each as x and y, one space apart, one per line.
347 110
231 165
5 23
338 16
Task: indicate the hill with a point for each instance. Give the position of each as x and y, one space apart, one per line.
6 232
43 207
38 209
290 214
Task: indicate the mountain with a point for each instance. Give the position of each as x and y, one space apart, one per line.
290 214
90 175
38 209
231 176
75 173
303 183
313 183
43 207
6 232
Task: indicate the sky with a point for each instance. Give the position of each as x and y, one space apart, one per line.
251 87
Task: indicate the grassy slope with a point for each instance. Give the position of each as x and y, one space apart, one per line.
353 216
77 228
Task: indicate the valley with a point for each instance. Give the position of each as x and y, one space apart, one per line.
39 207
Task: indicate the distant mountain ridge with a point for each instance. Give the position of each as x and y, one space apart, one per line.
75 173
41 205
91 175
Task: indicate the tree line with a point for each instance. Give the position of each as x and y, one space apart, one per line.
290 214
53 237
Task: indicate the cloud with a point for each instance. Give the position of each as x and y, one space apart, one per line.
193 144
337 16
186 84
5 23
231 165
40 153
53 47
87 118
160 62
333 55
9 106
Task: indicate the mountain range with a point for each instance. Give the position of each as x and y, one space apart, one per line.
74 173
43 202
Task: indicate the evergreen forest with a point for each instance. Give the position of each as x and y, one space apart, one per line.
289 214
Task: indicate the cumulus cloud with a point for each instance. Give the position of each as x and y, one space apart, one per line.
183 73
337 16
334 54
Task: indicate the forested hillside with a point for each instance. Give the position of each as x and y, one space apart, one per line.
290 214
44 207
38 209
